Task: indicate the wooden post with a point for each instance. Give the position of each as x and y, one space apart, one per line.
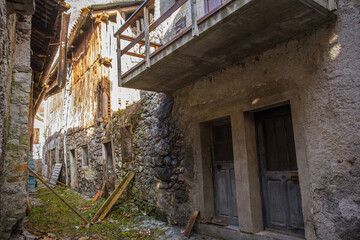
119 59
195 29
147 40
67 204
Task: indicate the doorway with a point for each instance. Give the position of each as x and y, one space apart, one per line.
73 169
109 167
225 205
280 190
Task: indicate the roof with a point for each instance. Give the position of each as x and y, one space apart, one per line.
45 33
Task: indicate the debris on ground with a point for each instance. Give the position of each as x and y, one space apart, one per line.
53 220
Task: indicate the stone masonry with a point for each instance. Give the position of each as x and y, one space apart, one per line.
15 87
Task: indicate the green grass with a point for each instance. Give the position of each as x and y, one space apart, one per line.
53 216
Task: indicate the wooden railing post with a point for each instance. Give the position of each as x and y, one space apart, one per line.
147 40
119 59
195 29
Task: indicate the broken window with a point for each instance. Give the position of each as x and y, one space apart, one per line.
126 144
85 157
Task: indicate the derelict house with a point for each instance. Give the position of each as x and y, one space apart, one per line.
254 122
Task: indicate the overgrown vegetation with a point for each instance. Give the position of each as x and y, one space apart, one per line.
54 218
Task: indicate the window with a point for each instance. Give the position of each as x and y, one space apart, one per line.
85 157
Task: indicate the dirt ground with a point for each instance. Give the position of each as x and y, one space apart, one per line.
51 219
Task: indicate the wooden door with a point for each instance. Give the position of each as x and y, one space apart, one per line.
73 169
211 5
109 167
280 188
223 171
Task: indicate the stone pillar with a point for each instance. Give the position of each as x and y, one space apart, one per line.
16 77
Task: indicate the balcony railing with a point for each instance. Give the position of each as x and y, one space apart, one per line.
143 39
217 38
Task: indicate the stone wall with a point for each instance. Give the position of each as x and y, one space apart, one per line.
4 88
15 95
159 160
320 70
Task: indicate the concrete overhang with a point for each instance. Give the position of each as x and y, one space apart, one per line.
237 30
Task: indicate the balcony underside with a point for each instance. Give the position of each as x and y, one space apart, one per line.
237 30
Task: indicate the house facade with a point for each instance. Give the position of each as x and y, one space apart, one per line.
249 113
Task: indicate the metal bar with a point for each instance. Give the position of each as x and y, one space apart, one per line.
47 185
147 40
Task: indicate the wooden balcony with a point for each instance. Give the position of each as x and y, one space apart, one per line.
234 30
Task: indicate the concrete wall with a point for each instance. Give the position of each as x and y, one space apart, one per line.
319 74
15 96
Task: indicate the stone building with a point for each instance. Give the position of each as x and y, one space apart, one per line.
75 113
266 97
249 113
27 36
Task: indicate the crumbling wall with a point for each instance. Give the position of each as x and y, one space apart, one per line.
322 69
15 95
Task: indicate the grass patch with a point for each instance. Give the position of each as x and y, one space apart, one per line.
53 216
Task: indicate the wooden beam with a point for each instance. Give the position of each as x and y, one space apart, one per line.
62 71
147 37
66 203
128 38
109 203
118 53
154 25
134 16
135 54
191 223
194 25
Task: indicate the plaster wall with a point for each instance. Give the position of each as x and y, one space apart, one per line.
318 73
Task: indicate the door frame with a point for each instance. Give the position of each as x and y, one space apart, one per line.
247 182
73 164
105 160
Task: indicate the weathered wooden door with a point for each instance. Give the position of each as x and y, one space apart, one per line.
212 4
109 167
281 196
223 171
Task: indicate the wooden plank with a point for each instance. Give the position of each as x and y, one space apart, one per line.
128 38
191 223
133 17
117 194
135 54
109 203
55 174
52 179
66 203
147 37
